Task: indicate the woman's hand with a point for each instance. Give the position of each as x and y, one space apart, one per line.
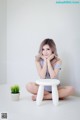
40 56
51 57
43 57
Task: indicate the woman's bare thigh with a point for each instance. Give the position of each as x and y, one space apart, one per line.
32 87
65 91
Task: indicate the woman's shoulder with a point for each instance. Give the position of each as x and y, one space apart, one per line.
57 64
59 61
40 60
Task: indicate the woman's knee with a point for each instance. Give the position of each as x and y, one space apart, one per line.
31 87
71 90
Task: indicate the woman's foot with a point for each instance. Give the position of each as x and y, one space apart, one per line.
34 97
61 98
46 97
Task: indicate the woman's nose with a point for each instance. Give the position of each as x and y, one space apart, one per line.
45 52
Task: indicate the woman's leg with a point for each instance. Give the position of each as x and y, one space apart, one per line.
63 93
33 88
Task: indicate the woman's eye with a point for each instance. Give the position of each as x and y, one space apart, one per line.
48 49
42 49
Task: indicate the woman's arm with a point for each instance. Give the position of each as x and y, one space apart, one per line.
41 70
53 72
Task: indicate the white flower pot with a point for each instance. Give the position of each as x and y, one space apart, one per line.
15 97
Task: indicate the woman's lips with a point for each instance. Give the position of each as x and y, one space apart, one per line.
46 55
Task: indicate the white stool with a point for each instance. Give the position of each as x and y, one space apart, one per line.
47 82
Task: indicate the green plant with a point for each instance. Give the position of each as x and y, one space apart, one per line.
15 89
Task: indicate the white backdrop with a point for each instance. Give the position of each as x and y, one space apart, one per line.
31 21
3 58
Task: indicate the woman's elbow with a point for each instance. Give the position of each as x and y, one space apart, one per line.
42 76
53 76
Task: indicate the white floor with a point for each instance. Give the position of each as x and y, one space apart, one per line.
26 109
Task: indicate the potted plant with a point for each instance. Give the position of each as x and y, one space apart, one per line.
15 92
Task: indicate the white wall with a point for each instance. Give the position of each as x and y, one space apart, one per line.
31 21
3 69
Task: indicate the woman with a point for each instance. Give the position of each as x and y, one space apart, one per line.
48 65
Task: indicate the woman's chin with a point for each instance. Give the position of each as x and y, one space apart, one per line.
46 57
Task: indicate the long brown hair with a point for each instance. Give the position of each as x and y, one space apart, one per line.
52 45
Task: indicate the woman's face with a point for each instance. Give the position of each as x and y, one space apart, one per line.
46 51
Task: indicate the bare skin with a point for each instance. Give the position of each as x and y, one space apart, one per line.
62 91
47 55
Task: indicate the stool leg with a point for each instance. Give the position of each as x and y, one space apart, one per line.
55 96
40 94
